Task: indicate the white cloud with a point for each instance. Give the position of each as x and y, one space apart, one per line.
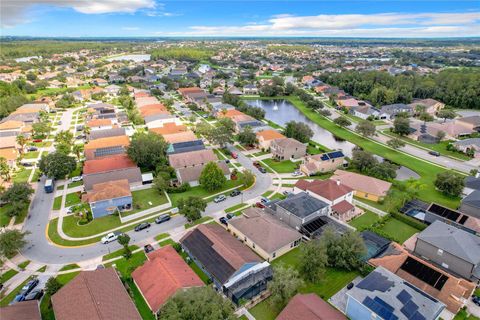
130 28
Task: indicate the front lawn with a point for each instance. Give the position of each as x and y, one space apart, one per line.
237 207
31 155
365 220
7 275
117 253
22 175
72 199
75 184
145 199
4 217
197 222
57 203
8 298
285 166
70 267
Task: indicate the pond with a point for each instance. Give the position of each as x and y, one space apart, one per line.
132 57
282 111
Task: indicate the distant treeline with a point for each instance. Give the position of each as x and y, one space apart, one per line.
289 48
12 96
458 88
182 53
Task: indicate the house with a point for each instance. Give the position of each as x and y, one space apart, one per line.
187 146
469 146
162 276
390 111
12 126
384 295
170 128
109 197
103 147
110 168
191 159
471 204
191 175
220 107
112 89
451 248
100 82
265 138
472 122
324 162
94 295
267 236
450 290
24 310
234 91
234 269
364 186
100 124
365 111
9 149
431 106
338 196
185 136
160 119
287 148
106 133
250 89
347 103
309 306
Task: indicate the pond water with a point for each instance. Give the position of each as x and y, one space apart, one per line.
132 57
282 111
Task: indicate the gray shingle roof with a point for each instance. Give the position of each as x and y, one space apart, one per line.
302 205
473 199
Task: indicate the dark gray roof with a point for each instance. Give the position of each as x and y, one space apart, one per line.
455 241
473 200
158 116
114 132
302 205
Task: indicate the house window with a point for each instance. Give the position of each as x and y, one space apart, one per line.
440 252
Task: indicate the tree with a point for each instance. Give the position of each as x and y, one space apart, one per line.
298 130
401 126
19 192
221 134
313 260
197 303
65 102
57 165
450 183
362 160
284 285
441 135
22 141
4 169
248 178
65 137
247 136
342 122
425 117
124 240
160 183
396 143
446 114
192 207
147 150
325 112
212 177
41 129
344 251
52 286
77 149
11 241
365 128
384 170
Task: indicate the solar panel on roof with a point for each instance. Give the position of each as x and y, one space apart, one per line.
324 157
404 296
314 225
409 309
336 154
375 281
417 316
424 273
108 151
463 219
444 212
380 307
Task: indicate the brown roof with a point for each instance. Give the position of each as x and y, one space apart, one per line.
108 190
140 102
264 230
111 163
107 142
190 174
188 159
362 183
25 310
169 128
268 135
452 291
288 143
184 91
99 122
230 113
309 307
342 207
11 124
180 137
9 153
163 275
327 189
94 295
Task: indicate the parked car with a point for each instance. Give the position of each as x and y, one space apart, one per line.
112 236
234 155
262 169
264 200
220 198
476 300
80 137
142 226
19 297
29 287
434 153
223 220
260 205
162 218
60 122
34 295
148 248
32 148
230 216
70 209
297 174
235 193
286 193
37 140
256 164
26 164
77 178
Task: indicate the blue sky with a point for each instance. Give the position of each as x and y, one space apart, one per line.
335 18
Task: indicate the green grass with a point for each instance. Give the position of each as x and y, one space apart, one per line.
463 315
24 264
285 166
141 199
4 217
365 220
36 175
75 184
70 267
57 203
117 253
61 187
398 229
31 155
197 222
42 269
161 236
237 207
243 317
8 298
72 199
266 194
166 243
22 175
7 275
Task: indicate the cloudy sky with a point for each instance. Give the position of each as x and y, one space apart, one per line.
334 18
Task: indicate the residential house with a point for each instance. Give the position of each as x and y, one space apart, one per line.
110 168
192 93
452 129
234 91
347 103
431 106
100 124
100 82
365 111
103 147
450 290
94 295
221 107
109 197
364 186
187 146
112 89
471 122
265 138
469 146
324 162
106 133
160 119
23 310
169 128
287 148
267 236
338 196
384 295
191 159
191 175
451 248
471 204
309 306
390 111
163 275
9 149
185 136
235 270
250 89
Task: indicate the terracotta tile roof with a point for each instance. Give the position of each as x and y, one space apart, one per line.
107 142
188 159
230 113
162 275
452 291
8 142
268 135
362 183
328 189
140 102
169 128
180 137
94 295
342 207
151 112
11 124
9 153
25 310
309 307
99 123
184 91
141 95
26 110
149 108
108 190
110 163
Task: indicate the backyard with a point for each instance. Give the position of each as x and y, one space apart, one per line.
365 220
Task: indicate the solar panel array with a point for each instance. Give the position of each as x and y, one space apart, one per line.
380 307
336 154
424 273
375 282
444 212
314 225
101 152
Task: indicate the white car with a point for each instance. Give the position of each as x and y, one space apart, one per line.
78 178
112 236
297 174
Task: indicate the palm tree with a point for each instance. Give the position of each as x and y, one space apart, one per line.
4 169
22 141
77 150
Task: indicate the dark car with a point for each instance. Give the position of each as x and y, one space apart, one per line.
80 137
162 218
476 300
256 164
32 149
141 226
434 153
224 221
235 193
262 169
34 295
148 248
29 286
27 164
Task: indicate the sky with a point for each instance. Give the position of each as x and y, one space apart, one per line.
314 18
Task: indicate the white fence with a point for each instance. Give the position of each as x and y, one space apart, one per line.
369 207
